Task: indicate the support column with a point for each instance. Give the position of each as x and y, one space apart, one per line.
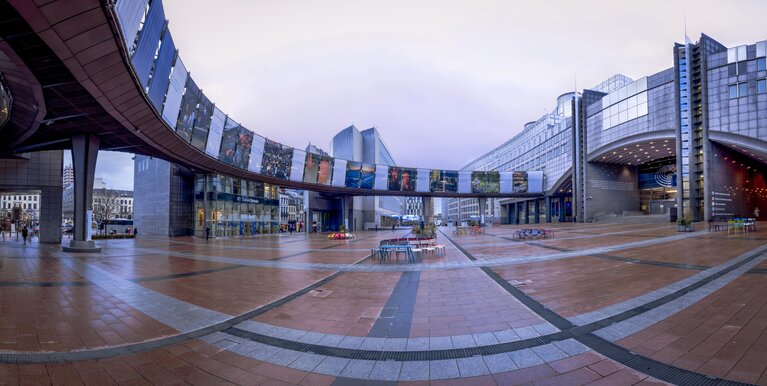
482 208
85 150
561 209
458 223
427 210
513 213
347 212
50 215
537 211
548 209
527 212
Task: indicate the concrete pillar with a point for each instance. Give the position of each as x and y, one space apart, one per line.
50 215
460 220
347 212
85 150
561 209
516 213
482 208
428 210
548 208
527 212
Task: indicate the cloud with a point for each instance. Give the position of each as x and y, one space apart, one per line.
116 169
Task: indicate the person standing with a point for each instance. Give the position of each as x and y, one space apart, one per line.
756 213
207 233
24 234
135 232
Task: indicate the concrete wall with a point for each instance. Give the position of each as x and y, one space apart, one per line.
39 171
181 205
163 198
151 196
610 189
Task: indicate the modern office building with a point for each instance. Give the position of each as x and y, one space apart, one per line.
171 200
367 146
690 139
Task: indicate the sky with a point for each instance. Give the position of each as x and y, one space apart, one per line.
444 81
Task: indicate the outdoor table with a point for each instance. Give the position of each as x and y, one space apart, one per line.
399 248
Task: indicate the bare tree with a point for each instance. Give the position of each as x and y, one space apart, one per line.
105 206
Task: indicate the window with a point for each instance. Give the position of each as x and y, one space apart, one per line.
761 86
733 91
742 89
742 68
732 69
761 64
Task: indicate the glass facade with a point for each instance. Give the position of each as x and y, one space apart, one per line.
626 104
234 207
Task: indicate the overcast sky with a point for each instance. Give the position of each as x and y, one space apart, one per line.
444 81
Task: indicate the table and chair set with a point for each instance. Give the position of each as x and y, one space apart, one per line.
413 248
734 225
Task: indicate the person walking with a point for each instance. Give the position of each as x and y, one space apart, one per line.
207 233
24 234
135 232
756 213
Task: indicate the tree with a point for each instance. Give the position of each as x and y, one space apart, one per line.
105 206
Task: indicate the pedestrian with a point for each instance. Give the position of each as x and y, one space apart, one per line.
756 213
290 229
135 232
207 233
24 234
392 227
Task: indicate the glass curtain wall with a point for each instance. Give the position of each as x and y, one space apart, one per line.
234 207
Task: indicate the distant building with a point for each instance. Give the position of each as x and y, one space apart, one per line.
28 206
367 146
68 176
291 207
120 200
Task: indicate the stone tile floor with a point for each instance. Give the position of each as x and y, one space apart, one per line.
301 309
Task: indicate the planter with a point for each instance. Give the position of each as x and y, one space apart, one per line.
685 228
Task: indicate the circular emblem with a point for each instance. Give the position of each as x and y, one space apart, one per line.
665 175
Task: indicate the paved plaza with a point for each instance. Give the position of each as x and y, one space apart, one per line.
609 304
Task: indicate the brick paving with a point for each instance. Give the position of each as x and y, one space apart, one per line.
52 302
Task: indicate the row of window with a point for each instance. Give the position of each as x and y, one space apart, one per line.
740 68
8 205
741 89
17 198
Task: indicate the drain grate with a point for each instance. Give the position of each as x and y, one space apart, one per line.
388 312
320 293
